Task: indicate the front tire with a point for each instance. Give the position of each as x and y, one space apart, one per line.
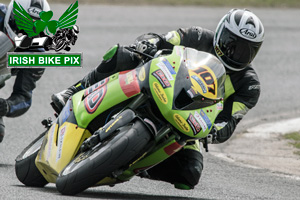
91 166
25 167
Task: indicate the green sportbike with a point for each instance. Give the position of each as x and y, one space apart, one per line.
127 123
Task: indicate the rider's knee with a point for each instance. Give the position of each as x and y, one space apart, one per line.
118 58
192 167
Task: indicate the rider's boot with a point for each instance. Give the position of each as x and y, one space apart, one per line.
2 129
115 60
59 99
193 167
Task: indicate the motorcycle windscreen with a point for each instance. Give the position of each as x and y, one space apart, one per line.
188 88
200 81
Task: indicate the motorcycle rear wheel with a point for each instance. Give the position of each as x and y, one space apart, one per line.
25 167
91 166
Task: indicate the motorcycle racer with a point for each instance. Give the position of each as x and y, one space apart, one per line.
236 41
20 99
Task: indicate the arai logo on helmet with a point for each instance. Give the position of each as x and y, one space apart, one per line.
248 33
35 12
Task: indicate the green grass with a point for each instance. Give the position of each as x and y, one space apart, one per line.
294 140
227 3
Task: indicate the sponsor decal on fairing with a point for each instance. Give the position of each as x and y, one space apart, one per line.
194 124
160 76
60 140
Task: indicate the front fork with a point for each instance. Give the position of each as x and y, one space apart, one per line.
162 148
125 116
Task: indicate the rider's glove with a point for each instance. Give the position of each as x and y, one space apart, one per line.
4 108
146 47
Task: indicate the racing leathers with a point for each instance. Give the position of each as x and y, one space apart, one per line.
242 90
20 99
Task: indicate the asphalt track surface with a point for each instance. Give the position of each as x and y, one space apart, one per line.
103 26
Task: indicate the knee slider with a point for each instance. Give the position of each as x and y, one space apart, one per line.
117 59
108 65
193 167
110 53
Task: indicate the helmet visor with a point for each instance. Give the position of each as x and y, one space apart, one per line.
237 52
12 23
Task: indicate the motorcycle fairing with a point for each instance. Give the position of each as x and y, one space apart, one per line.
59 147
65 137
109 92
192 119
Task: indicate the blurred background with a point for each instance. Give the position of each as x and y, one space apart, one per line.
105 23
246 3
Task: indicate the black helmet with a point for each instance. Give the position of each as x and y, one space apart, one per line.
238 38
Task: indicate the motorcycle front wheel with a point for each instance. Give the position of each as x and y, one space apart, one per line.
25 167
91 166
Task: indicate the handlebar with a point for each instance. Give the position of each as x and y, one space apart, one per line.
147 56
